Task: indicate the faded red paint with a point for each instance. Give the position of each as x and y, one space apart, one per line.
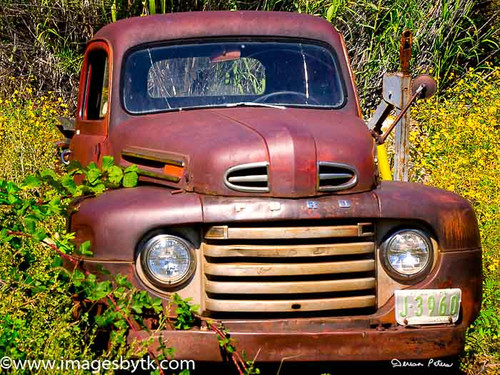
208 141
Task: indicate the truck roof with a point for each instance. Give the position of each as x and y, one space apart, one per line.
127 33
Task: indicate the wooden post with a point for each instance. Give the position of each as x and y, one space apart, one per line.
401 145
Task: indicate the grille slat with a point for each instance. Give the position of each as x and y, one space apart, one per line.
285 269
288 251
227 233
290 305
272 269
249 178
336 176
289 287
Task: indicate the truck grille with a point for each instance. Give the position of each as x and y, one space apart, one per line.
335 176
251 178
289 269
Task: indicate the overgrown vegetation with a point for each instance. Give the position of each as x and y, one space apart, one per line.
456 146
48 312
51 313
28 132
46 39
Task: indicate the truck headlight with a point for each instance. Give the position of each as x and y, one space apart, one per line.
166 261
407 255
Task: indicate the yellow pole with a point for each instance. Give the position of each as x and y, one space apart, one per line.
383 163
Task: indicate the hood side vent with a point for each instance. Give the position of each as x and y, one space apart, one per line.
248 178
336 176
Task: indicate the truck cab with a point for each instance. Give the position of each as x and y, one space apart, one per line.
259 195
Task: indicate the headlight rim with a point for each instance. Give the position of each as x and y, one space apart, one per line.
392 272
148 278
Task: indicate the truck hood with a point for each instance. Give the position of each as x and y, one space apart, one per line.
200 150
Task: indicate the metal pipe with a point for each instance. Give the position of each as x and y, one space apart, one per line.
380 139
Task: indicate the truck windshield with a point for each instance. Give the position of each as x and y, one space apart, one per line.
161 78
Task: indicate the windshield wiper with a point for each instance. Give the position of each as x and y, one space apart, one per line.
254 104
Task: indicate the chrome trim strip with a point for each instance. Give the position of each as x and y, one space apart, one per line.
256 178
334 176
224 232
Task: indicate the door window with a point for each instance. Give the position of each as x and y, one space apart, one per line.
97 86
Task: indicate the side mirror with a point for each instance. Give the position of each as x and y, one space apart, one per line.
66 126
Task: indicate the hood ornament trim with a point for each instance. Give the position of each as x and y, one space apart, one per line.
335 176
255 181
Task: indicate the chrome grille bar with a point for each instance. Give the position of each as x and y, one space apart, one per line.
269 269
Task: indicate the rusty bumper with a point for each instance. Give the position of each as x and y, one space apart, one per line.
376 344
374 337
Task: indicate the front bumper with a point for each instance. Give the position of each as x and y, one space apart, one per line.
375 344
374 337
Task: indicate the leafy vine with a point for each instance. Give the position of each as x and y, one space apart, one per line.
33 213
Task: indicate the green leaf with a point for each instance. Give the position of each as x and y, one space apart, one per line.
330 12
30 224
107 162
115 175
103 270
12 199
68 182
98 189
4 235
152 7
121 324
40 235
100 290
78 277
122 280
93 175
137 307
54 206
132 168
57 262
12 188
130 179
85 249
31 182
75 167
49 173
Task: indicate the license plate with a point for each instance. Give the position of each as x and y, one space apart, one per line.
427 306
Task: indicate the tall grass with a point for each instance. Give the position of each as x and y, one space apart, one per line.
449 36
46 38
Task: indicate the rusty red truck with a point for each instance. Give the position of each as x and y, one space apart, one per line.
259 195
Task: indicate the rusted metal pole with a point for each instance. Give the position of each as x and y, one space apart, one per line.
381 138
401 146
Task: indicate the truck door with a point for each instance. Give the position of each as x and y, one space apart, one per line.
92 116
